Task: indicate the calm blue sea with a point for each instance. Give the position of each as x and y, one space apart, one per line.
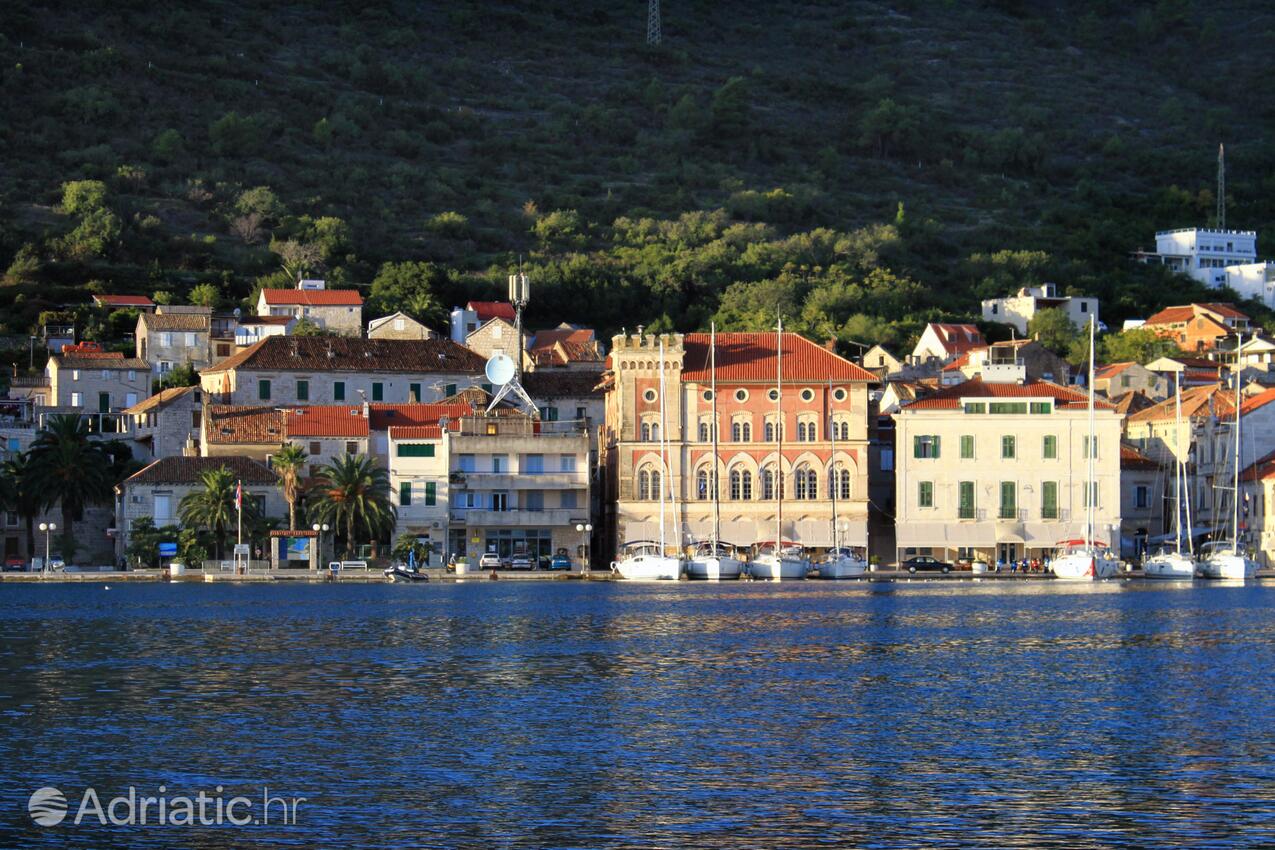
581 715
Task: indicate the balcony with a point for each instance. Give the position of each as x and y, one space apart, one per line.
520 480
511 519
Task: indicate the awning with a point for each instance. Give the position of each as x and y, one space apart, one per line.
1009 531
971 534
917 534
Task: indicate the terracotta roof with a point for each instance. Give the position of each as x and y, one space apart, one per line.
1261 470
949 398
1186 312
266 320
353 354
557 383
1111 370
487 310
562 353
1131 458
1130 402
313 297
751 357
1225 309
961 362
1171 316
546 339
1211 400
186 470
385 416
958 338
98 360
123 301
160 399
418 432
176 322
265 424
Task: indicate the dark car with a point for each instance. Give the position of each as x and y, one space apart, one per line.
14 565
924 563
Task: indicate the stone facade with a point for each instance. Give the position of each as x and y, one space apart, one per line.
98 384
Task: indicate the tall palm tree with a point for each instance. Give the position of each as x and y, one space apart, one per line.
213 507
21 496
354 493
287 464
69 468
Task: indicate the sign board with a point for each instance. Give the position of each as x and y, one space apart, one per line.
168 550
243 548
475 540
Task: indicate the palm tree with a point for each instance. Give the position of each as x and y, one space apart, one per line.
354 493
22 497
287 463
67 467
213 507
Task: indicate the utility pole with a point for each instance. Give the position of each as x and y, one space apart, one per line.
1221 187
653 23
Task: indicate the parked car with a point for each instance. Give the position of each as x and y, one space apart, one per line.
15 565
560 562
489 561
521 562
924 563
56 563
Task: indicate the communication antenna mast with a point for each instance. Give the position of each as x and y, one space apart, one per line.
1221 187
653 22
519 295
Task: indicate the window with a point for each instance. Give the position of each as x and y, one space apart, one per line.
534 464
773 395
500 501
1091 493
1084 447
190 340
303 389
378 391
1009 500
405 493
701 484
75 374
741 395
166 340
498 463
741 484
768 484
550 414
351 447
966 500
650 432
581 413
316 448
414 450
414 393
568 499
1038 407
132 375
77 400
925 494
925 446
708 395
1007 407
807 395
649 395
338 390
533 500
648 484
263 389
1049 500
839 394
839 483
567 463
449 390
804 483
1126 381
972 407
704 435
773 431
1084 307
1008 446
1049 447
967 446
1141 496
467 463
741 432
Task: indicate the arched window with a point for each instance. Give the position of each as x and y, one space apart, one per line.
805 432
701 484
843 492
845 430
771 433
799 477
768 484
655 432
704 434
748 433
646 432
741 484
644 485
812 484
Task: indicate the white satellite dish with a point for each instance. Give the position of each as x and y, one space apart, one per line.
500 369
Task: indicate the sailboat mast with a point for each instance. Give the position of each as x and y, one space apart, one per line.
717 505
1179 471
1235 495
663 453
779 438
832 465
1089 481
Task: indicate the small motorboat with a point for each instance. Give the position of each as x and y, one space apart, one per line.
400 573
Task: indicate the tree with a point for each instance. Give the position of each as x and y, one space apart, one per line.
168 146
1053 329
213 506
83 196
1141 345
353 493
22 496
144 539
206 295
25 266
181 375
408 544
70 468
260 200
287 464
297 258
308 327
234 135
410 287
730 112
890 128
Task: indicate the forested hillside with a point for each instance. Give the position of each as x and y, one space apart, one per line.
864 166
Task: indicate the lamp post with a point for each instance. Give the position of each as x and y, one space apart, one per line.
320 530
48 528
585 529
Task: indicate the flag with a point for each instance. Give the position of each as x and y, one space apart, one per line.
239 496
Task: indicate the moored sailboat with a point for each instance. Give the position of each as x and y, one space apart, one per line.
714 560
1228 560
1174 563
841 561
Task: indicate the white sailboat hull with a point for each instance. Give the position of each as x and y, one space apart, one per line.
842 567
772 568
1171 566
649 568
713 569
1228 565
1084 566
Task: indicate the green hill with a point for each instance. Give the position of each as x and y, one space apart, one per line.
865 166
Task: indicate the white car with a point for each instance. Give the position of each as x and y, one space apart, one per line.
521 562
489 561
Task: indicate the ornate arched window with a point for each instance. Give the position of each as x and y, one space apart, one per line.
646 432
768 478
701 484
644 485
840 480
741 484
704 435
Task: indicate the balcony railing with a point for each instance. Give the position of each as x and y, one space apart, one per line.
476 517
520 480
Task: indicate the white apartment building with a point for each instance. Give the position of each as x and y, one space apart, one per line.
1253 280
418 466
1203 253
988 471
1019 309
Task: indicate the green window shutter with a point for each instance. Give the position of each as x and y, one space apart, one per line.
967 446
925 494
1050 449
415 450
967 500
1009 500
916 446
1007 446
263 389
378 391
338 390
405 493
1049 500
415 391
936 445
303 390
451 390
431 491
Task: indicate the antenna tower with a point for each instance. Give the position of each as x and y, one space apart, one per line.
1221 187
653 23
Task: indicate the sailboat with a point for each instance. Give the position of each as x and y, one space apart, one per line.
1228 560
779 560
713 559
841 561
1176 564
648 560
1087 559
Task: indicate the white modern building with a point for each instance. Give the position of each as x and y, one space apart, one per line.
1253 280
1203 253
1018 310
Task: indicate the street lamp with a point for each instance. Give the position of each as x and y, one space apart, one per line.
48 528
584 528
320 530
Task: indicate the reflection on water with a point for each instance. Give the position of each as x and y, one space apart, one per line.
587 715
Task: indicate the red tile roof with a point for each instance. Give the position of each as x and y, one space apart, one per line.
1200 402
353 354
488 310
1111 370
123 301
263 424
1131 458
420 432
1184 313
949 398
751 357
313 297
958 338
186 470
546 339
1261 470
1171 316
385 416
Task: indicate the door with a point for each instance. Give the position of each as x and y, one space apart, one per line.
103 402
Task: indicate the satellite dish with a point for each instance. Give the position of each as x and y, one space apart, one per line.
500 369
